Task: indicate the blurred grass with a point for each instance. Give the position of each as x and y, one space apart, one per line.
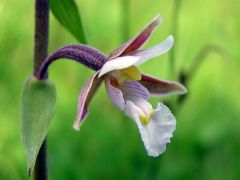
206 143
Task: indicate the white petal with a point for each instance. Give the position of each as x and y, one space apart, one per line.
115 95
118 63
137 58
157 133
155 51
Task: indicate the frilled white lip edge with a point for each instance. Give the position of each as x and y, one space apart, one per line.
157 133
137 57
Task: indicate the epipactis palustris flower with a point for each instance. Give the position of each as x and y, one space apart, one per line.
126 86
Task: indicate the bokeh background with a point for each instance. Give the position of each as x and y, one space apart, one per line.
206 143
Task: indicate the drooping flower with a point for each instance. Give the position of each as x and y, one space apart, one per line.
126 86
129 89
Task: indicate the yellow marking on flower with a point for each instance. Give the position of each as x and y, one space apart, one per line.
145 119
130 73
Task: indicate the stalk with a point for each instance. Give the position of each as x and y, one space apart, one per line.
40 53
172 54
125 19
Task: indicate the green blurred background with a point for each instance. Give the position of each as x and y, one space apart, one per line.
206 144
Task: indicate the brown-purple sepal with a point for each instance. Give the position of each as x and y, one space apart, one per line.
138 41
161 87
85 97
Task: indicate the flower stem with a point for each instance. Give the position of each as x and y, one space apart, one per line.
172 54
186 76
125 19
83 54
40 53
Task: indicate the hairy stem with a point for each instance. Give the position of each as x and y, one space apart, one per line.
83 54
41 33
40 53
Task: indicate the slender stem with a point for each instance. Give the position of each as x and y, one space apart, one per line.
83 54
40 172
41 33
40 53
186 76
175 17
202 55
125 19
172 53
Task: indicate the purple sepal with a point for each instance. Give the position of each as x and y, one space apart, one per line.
85 97
138 41
161 87
88 56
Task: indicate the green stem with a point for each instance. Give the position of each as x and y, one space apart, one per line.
186 76
125 19
172 54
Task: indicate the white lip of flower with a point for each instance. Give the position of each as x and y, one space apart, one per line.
158 131
155 129
132 99
130 90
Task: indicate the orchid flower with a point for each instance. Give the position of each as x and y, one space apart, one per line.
127 87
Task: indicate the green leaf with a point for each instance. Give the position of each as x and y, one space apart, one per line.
66 12
37 109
